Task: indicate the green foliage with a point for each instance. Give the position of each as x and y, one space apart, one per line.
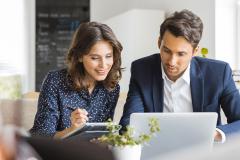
204 52
10 87
115 139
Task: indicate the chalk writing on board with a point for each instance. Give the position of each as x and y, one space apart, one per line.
56 21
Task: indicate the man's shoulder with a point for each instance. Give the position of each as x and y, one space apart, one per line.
208 62
147 60
146 66
209 67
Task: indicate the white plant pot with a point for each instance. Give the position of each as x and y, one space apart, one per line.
127 152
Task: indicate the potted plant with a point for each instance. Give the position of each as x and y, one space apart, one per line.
127 145
204 52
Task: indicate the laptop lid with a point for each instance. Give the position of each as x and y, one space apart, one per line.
177 131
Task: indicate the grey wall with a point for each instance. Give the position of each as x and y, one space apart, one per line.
104 9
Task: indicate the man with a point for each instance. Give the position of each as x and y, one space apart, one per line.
177 81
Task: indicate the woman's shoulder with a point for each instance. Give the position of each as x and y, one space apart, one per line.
57 73
115 90
55 81
55 76
106 91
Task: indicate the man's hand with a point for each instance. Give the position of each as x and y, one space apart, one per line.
217 136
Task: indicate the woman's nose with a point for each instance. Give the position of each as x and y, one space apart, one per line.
102 63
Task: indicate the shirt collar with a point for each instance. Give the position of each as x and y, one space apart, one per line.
185 76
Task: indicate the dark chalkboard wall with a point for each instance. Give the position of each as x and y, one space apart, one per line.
56 21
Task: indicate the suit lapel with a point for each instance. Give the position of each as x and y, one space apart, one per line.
197 86
157 86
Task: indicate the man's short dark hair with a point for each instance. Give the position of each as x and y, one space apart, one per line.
184 23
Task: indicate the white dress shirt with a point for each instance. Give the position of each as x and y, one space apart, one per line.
177 95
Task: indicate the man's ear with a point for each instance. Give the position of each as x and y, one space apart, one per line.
159 42
195 51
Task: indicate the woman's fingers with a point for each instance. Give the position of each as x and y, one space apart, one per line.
79 117
80 114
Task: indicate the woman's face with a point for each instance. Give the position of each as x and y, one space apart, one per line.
98 62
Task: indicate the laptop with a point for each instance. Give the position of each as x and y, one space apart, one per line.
177 131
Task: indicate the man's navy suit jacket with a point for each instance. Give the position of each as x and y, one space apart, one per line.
211 83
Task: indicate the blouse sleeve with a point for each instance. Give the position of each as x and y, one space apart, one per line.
113 98
47 115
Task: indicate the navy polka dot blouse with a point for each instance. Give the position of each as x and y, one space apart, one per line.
57 100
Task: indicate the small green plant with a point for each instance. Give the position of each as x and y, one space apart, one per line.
115 139
204 52
10 87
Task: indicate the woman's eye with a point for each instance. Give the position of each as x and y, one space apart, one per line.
109 56
94 58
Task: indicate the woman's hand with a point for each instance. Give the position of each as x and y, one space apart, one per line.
78 118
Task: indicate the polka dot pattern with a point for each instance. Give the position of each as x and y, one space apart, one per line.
57 100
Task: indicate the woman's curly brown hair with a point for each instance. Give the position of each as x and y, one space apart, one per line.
85 37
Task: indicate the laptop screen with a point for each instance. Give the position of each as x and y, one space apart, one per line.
177 131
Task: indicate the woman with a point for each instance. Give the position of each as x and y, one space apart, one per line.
87 90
